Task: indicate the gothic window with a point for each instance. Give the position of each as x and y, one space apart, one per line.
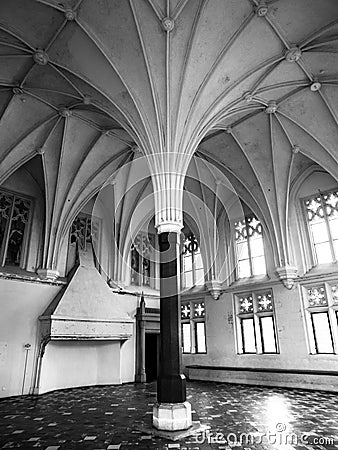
322 218
249 247
256 329
321 315
85 229
142 263
193 273
15 213
193 326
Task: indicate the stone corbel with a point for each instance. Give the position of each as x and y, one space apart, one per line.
214 287
287 275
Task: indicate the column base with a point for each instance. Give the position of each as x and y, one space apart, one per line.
172 416
141 378
197 431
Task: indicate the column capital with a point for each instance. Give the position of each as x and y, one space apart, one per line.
169 227
168 176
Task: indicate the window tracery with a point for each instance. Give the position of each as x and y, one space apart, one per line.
15 212
321 317
141 260
193 326
193 272
322 218
249 247
256 328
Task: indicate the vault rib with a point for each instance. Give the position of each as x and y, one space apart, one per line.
138 107
179 8
315 138
150 77
157 10
317 33
214 67
16 36
262 191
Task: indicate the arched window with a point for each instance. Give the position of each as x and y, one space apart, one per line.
85 229
193 272
15 213
249 247
322 219
141 260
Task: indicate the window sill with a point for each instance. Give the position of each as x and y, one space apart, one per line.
254 282
321 271
17 274
194 353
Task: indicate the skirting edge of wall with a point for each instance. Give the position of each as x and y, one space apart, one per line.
291 379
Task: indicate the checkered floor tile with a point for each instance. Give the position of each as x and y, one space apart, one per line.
117 417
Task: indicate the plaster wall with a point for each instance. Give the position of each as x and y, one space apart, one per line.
291 335
65 364
70 364
21 304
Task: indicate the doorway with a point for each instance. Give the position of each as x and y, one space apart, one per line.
151 356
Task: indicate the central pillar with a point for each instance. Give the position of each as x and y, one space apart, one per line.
172 412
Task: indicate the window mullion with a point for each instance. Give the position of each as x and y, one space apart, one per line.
332 318
249 247
192 328
193 267
7 232
258 334
140 273
85 235
327 227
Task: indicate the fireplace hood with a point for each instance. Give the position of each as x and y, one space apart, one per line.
85 309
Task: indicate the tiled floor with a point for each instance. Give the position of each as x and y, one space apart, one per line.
113 417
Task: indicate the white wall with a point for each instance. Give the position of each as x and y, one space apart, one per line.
21 303
65 364
71 364
291 335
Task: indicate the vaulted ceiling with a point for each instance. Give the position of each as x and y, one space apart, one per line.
250 85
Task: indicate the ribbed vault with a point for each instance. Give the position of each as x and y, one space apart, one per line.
82 82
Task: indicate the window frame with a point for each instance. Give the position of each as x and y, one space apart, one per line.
256 315
192 320
242 319
194 269
307 224
248 243
28 230
88 217
141 258
330 308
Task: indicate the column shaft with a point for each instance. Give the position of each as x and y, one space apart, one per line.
171 386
